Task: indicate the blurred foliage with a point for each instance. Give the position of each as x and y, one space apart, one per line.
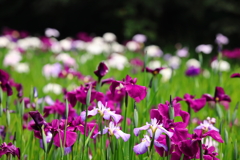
162 21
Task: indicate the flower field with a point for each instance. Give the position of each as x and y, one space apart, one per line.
94 98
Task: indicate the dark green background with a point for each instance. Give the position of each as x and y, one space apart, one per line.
165 22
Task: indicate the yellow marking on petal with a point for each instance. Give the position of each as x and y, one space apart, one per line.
217 99
110 132
204 130
155 72
70 76
153 129
100 112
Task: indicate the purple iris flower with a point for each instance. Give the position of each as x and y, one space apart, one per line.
232 54
2 132
153 128
179 130
163 111
80 94
38 119
136 92
206 126
142 147
114 130
60 108
219 97
4 82
9 149
195 104
105 112
153 71
137 62
57 128
192 71
101 71
70 73
209 153
199 134
235 75
118 95
78 124
189 148
18 87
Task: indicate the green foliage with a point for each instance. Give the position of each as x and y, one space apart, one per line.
139 114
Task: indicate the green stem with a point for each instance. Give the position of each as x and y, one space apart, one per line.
201 150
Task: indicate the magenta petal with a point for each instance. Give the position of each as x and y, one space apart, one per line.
219 91
180 134
235 75
198 104
136 92
113 86
207 157
225 104
71 97
154 113
188 96
141 148
189 147
185 117
178 99
208 97
71 138
163 110
9 149
102 70
215 135
38 118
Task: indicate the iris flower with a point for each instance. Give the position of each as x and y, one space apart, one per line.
206 126
9 149
80 94
153 71
153 128
219 97
4 82
103 111
235 75
195 104
114 130
193 71
142 147
136 92
101 71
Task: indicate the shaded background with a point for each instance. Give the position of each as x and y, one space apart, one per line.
164 22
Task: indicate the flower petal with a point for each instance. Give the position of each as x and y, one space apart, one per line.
137 130
141 147
118 133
